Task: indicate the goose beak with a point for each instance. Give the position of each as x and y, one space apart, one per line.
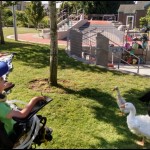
113 89
122 106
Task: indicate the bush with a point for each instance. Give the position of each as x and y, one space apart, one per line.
7 17
9 22
22 19
143 22
45 22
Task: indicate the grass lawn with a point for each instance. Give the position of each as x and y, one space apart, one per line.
83 113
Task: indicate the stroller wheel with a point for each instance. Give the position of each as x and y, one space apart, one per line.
48 135
21 139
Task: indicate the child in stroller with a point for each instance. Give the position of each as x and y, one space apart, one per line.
7 114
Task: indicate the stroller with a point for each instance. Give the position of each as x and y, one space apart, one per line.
32 130
29 131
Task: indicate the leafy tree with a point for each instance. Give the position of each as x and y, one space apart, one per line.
144 21
45 22
2 6
54 43
22 18
71 6
7 17
148 16
95 7
35 12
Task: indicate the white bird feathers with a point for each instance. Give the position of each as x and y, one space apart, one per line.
138 124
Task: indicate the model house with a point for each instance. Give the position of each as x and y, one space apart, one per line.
129 14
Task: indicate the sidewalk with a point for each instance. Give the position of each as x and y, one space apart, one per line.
35 38
144 69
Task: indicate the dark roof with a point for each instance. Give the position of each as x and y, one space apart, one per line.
131 8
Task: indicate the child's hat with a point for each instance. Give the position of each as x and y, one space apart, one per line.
3 68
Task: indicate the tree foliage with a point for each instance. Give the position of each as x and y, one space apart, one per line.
144 21
148 15
70 6
95 7
7 17
35 12
2 6
22 19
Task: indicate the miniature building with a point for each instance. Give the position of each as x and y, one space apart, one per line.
129 14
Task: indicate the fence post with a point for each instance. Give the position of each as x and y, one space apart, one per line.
102 50
76 42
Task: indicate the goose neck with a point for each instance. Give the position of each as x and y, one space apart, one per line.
118 92
132 112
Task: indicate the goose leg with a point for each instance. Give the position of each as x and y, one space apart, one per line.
141 143
121 113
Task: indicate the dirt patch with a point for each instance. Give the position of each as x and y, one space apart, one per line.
43 85
40 85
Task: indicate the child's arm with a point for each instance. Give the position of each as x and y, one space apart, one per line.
25 111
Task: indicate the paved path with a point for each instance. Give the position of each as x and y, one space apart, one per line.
35 38
144 69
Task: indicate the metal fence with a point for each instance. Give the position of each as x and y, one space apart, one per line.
84 43
89 35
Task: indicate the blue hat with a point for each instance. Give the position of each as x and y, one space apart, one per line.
3 68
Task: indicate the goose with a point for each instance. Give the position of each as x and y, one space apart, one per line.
120 101
137 124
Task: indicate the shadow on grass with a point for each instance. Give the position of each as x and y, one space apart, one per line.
34 54
38 55
107 113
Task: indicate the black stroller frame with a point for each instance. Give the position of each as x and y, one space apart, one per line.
29 131
33 129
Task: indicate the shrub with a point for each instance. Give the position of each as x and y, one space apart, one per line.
45 22
7 17
143 22
21 19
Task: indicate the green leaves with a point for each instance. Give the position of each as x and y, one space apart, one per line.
35 12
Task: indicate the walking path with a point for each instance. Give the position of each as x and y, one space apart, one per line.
35 38
144 69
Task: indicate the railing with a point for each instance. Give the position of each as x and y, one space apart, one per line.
89 48
88 40
65 19
61 15
122 50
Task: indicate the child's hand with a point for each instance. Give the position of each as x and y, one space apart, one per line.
8 85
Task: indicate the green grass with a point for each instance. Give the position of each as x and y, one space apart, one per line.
83 113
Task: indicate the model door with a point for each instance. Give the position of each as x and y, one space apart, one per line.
129 21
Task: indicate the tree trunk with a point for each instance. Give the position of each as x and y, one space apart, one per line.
53 44
1 28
